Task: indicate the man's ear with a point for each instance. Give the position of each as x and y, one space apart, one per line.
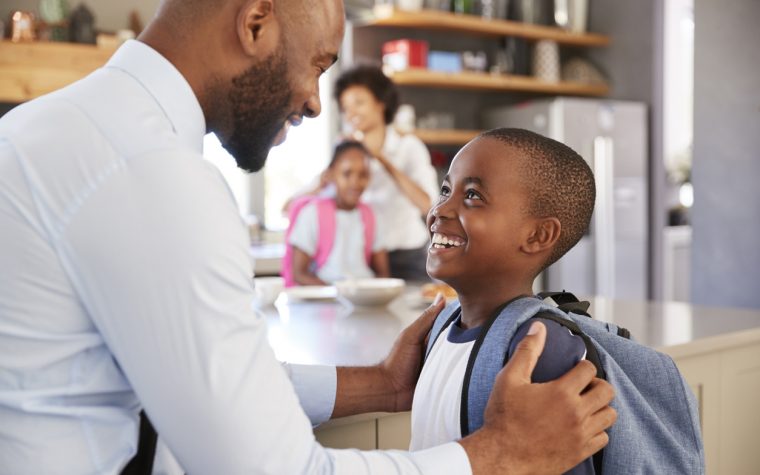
543 235
257 28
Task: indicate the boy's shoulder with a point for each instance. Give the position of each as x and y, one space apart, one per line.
562 350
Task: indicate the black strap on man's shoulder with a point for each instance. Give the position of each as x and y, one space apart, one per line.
142 462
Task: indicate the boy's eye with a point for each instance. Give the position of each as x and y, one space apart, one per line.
472 195
445 191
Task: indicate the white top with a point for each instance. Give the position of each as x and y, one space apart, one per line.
438 395
402 223
347 259
126 283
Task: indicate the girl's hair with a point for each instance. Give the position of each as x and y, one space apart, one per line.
345 146
378 84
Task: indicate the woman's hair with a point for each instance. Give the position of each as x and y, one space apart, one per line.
378 84
345 146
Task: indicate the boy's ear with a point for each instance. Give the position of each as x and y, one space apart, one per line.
257 28
543 235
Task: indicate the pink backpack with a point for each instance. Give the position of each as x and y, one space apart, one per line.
326 210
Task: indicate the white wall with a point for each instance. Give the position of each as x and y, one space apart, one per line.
726 170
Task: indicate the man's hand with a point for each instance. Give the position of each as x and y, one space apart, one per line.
388 386
402 366
540 428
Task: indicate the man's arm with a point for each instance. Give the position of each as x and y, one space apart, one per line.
388 386
528 428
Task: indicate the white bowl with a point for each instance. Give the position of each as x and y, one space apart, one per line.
266 290
370 292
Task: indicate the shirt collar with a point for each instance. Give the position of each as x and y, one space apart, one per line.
167 86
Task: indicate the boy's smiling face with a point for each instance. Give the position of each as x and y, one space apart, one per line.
480 224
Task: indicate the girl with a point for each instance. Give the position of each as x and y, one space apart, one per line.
335 238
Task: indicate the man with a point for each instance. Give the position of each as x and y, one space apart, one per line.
125 279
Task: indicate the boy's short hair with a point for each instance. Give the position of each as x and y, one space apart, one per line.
373 78
561 184
344 146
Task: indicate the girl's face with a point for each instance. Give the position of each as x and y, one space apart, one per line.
350 173
361 109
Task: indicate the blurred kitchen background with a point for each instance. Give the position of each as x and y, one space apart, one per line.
661 96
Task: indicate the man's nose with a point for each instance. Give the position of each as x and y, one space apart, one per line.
313 105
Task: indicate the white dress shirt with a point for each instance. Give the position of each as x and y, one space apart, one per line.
399 219
125 283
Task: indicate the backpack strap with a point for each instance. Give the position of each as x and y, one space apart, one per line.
487 358
442 321
326 235
567 302
287 260
368 219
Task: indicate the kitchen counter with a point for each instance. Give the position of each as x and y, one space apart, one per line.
716 349
333 332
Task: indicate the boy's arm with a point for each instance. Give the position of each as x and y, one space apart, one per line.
563 350
380 264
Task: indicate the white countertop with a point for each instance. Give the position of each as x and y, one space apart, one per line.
331 332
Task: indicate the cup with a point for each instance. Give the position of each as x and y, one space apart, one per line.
578 15
22 26
410 5
546 61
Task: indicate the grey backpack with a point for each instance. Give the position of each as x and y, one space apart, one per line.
657 430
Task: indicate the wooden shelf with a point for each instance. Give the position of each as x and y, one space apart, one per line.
29 70
441 20
446 136
494 82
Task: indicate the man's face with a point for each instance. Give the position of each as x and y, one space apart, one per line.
480 219
258 96
280 91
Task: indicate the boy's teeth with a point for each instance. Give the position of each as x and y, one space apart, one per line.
444 241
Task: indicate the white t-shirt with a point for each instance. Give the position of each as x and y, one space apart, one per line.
402 223
438 395
346 259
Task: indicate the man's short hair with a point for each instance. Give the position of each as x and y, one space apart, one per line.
373 79
560 184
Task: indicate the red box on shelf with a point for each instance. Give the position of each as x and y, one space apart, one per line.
403 54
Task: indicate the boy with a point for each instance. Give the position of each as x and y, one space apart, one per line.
512 204
355 250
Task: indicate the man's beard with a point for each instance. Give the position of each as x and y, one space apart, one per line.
260 98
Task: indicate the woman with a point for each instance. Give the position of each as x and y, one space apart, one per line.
403 182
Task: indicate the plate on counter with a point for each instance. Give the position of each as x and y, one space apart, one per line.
311 292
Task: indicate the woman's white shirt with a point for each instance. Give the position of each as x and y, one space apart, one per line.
401 222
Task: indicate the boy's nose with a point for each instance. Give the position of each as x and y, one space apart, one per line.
442 210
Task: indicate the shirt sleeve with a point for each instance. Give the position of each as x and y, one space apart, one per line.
170 293
305 231
315 386
418 167
377 243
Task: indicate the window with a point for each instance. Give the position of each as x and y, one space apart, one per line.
297 163
289 168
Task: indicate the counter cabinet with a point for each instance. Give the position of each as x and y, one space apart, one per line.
717 350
